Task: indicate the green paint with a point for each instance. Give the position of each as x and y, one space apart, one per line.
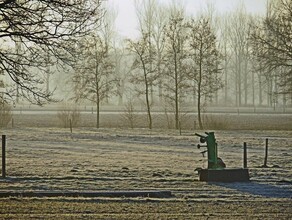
212 150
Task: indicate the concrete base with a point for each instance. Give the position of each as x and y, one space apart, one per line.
224 175
112 194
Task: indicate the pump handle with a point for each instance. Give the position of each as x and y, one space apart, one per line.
199 135
199 146
203 152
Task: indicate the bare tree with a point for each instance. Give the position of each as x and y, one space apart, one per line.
206 59
41 28
225 50
160 17
238 35
257 65
123 62
94 79
129 115
145 74
272 38
151 21
145 13
175 60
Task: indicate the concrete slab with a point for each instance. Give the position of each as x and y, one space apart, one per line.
224 175
112 194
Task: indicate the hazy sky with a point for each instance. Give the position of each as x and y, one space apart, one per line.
126 22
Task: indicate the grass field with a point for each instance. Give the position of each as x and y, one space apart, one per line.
48 158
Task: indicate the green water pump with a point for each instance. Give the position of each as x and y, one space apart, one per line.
214 162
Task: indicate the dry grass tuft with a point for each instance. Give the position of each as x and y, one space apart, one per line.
68 114
215 123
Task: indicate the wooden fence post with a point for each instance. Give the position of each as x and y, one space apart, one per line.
244 155
3 156
266 153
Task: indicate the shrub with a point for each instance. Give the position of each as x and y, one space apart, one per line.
129 116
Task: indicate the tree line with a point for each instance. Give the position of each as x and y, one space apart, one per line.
178 60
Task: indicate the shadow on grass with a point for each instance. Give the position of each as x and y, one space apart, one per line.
282 190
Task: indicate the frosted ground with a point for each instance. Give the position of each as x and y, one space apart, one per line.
53 159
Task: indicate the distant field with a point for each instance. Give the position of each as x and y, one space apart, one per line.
160 121
108 159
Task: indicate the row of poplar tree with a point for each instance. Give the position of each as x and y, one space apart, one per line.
177 60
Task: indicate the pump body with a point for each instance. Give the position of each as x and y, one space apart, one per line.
213 161
216 171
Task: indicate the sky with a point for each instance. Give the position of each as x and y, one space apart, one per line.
126 22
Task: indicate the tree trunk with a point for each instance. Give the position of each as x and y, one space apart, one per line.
236 89
160 91
236 80
149 114
245 82
199 93
239 81
97 112
225 76
48 81
148 107
97 102
194 93
176 92
284 102
147 96
199 111
253 89
260 90
269 93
